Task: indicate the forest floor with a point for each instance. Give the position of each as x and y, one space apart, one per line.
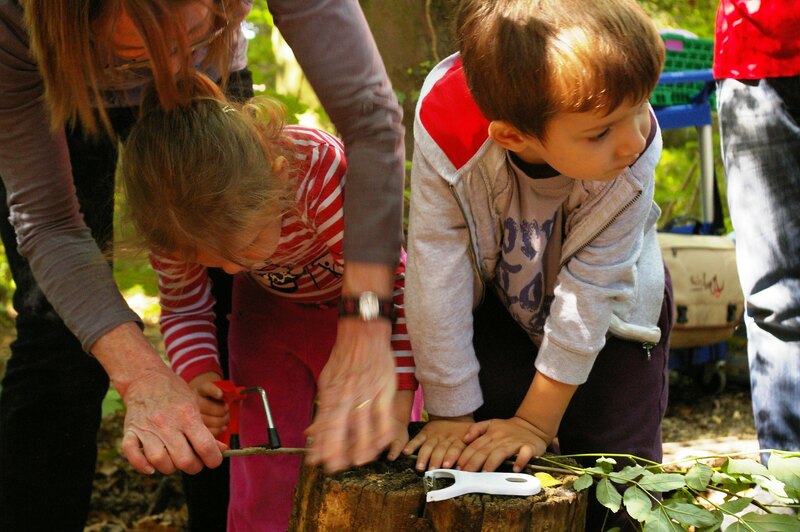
700 419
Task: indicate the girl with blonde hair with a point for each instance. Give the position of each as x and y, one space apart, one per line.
71 75
216 184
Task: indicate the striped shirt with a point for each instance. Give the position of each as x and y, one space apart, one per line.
306 267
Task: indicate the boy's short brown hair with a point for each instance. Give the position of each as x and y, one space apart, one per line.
527 60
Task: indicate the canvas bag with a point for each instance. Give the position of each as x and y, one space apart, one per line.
708 298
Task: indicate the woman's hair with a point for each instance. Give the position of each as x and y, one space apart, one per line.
196 175
69 42
527 60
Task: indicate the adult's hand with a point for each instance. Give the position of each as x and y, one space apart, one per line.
354 415
163 430
356 388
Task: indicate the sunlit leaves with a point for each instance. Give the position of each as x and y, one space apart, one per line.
786 468
766 523
679 500
699 476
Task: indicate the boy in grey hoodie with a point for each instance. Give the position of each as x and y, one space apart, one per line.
537 302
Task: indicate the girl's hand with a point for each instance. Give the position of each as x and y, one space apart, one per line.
491 442
401 413
213 409
440 442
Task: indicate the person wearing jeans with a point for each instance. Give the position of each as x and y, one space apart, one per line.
757 65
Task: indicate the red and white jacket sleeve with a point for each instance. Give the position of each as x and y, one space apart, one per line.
187 317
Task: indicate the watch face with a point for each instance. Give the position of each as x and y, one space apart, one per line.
368 306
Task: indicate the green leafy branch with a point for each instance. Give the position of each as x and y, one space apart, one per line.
664 497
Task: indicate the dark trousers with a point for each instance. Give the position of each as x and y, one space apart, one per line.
51 397
617 410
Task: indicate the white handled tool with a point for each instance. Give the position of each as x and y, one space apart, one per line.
519 484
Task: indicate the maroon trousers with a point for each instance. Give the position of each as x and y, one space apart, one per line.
617 410
281 346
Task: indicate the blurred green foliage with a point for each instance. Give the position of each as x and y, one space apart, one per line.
696 16
678 174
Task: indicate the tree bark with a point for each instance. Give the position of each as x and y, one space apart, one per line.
390 496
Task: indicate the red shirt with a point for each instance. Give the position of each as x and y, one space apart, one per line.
306 267
757 39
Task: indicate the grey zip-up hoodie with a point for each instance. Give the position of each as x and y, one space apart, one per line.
611 279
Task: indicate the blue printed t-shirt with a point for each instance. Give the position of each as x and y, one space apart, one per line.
531 247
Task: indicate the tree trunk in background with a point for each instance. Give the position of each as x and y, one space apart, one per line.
412 36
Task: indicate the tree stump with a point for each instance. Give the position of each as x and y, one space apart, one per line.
389 496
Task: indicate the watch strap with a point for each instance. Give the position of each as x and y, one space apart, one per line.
354 306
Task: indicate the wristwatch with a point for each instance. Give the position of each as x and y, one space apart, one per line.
367 306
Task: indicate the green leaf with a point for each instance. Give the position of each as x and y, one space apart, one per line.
663 482
754 522
721 478
583 482
657 521
787 470
729 483
772 485
627 473
608 496
637 503
736 505
606 464
681 496
744 467
698 476
595 471
690 514
718 517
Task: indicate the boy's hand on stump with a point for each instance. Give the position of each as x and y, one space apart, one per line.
440 442
491 442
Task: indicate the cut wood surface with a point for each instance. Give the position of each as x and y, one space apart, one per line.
390 496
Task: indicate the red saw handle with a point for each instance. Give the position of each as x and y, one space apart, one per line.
233 396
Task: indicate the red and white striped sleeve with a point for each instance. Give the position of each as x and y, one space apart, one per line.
323 197
401 343
187 317
322 188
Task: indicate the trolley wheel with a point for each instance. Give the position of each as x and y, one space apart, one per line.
713 377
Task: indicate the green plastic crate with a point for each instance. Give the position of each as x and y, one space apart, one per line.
683 53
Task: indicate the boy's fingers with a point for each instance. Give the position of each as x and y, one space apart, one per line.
523 457
424 454
395 448
414 444
452 454
475 431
